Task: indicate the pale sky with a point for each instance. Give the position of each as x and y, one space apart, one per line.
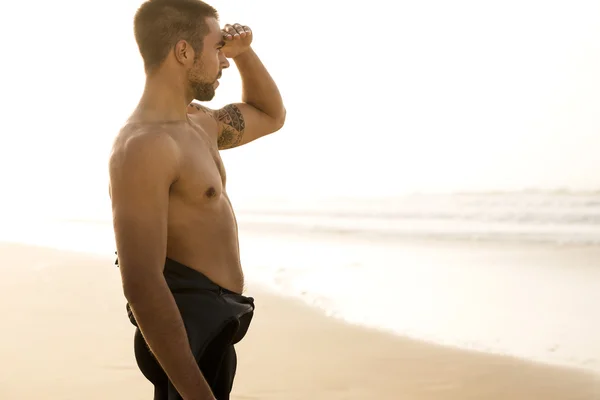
383 98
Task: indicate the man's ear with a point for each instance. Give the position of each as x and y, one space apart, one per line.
184 53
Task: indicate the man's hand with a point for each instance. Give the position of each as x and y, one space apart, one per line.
238 39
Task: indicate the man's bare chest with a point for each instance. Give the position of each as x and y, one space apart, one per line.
202 176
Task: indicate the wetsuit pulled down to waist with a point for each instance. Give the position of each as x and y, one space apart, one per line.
215 319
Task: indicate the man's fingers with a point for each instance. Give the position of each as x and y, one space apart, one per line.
236 31
240 30
230 32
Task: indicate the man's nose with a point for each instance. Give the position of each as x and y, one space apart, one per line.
224 62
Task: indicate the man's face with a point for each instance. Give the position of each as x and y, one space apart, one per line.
208 65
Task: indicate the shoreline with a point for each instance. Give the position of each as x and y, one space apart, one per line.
321 312
525 301
70 339
364 363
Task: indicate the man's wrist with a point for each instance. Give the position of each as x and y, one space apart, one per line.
242 56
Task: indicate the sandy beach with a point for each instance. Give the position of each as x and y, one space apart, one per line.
66 336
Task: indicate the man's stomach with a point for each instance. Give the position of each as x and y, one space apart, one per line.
207 243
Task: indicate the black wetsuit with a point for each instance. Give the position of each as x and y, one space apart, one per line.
215 319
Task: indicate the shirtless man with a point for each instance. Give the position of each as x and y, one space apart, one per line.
175 230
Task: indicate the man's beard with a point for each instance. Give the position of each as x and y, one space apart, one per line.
203 91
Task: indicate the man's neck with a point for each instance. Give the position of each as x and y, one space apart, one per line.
162 100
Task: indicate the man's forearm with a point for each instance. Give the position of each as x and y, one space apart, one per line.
258 87
160 322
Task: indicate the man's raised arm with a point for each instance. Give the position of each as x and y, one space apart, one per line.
142 169
261 111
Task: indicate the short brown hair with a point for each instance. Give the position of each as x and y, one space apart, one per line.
159 24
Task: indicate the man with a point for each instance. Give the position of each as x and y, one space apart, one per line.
175 230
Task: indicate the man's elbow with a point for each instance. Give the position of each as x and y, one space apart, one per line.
138 289
133 292
280 120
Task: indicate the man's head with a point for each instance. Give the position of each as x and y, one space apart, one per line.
182 38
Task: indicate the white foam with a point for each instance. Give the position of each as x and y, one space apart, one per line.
485 301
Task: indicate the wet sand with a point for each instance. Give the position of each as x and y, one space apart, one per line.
66 336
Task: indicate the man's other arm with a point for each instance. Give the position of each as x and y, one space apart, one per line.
141 173
261 111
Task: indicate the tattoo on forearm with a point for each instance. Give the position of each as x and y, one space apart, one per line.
233 120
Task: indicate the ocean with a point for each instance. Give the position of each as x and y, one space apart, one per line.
552 218
506 273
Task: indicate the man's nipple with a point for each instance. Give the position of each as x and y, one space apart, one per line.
210 192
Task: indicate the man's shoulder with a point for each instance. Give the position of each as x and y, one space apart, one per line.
197 110
144 143
136 136
203 117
